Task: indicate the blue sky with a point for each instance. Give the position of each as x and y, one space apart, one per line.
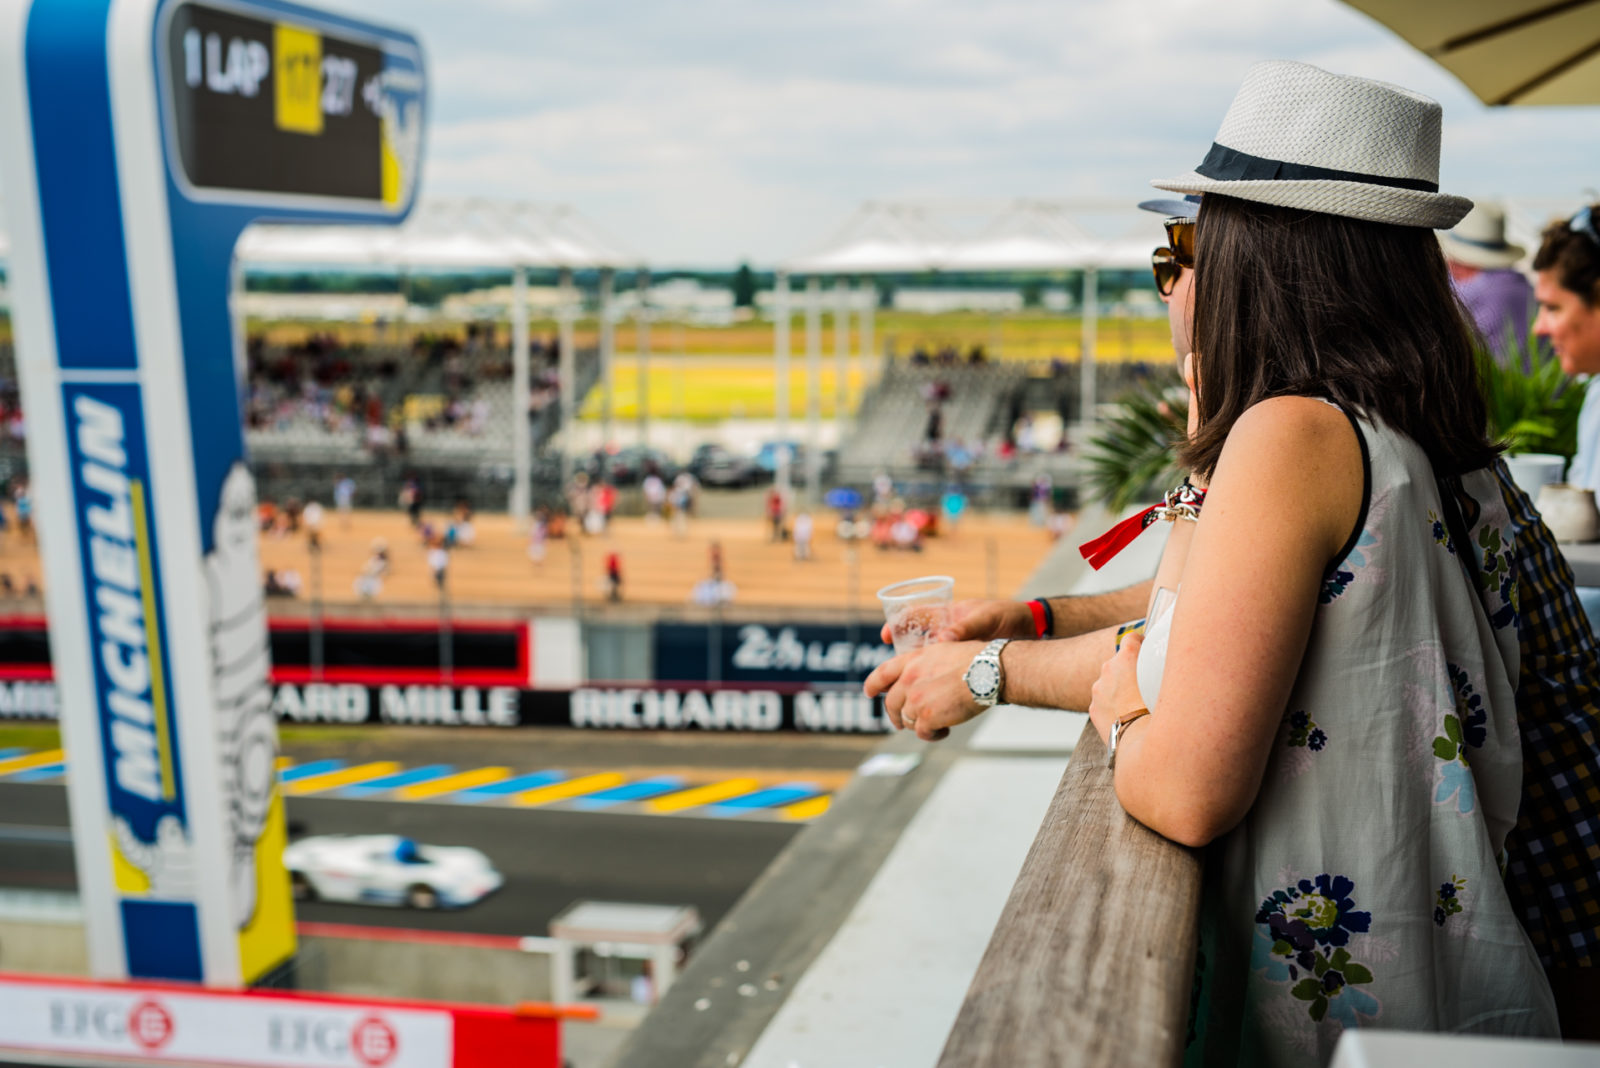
707 131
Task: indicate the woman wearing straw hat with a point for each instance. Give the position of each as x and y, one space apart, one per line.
1330 703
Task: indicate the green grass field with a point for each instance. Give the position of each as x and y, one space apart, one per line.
30 736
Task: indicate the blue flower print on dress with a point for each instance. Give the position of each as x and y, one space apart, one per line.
1323 905
1497 576
1469 708
1335 584
1304 733
1308 926
1465 727
1441 533
1262 959
1356 561
1455 781
1447 902
1345 1002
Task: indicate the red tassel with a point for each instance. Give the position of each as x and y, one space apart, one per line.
1099 551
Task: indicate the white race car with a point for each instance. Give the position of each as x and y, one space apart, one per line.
388 869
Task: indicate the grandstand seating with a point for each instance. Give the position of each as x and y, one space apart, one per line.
892 417
296 423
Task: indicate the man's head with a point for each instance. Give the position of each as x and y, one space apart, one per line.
1478 243
1568 290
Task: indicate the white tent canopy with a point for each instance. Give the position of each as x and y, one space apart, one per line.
1024 235
316 245
1028 236
447 234
879 239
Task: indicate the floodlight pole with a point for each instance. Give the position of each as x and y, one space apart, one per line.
642 319
813 386
841 353
780 344
569 376
521 436
1091 311
608 353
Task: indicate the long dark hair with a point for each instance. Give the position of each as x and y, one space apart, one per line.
1300 303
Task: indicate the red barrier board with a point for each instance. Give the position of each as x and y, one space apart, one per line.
178 1024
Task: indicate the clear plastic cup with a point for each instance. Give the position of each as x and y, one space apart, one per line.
916 609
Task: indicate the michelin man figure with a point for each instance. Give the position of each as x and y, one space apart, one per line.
240 662
168 862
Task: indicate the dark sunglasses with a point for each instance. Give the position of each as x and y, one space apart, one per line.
1584 223
1168 262
1165 266
1180 239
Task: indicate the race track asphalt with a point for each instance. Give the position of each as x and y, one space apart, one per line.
549 859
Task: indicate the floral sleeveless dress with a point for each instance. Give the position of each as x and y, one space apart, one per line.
1363 889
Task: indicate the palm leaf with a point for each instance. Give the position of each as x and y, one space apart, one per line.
1131 458
1533 404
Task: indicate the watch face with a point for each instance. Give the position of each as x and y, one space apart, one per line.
982 678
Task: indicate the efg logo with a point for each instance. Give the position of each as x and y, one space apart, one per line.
148 1024
371 1040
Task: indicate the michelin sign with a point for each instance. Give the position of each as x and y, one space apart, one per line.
138 138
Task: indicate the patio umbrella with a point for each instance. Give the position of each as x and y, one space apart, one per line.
1532 52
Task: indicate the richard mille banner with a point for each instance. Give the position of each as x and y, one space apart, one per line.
832 710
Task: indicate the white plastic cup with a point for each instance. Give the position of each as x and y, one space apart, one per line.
916 609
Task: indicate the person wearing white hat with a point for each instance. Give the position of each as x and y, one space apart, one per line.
1316 728
1330 704
1483 264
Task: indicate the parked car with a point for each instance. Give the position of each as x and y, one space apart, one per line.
714 465
388 869
767 456
767 460
627 466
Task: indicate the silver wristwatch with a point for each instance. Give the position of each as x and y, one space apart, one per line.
984 677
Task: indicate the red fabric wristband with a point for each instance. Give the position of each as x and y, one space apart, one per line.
1039 628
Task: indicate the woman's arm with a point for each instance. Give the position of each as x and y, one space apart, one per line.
1283 502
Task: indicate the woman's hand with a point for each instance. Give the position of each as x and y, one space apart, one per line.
924 691
1116 693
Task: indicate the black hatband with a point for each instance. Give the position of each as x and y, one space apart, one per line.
1230 165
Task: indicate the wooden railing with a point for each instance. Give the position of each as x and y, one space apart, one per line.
1093 958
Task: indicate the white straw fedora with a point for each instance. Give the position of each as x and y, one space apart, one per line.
1300 137
1479 240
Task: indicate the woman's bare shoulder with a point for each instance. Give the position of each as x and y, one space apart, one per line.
1296 430
1296 453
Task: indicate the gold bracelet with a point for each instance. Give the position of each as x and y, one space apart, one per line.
1117 728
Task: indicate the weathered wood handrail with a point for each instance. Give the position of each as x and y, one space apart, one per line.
1092 960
